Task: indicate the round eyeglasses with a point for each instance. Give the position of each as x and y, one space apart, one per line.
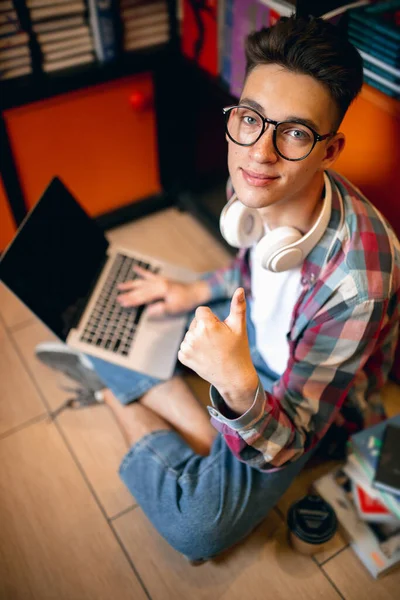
292 139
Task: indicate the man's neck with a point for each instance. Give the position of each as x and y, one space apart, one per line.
300 211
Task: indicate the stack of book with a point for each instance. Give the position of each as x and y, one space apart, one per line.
15 55
375 31
367 507
62 32
145 23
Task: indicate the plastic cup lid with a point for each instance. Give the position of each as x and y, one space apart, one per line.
312 519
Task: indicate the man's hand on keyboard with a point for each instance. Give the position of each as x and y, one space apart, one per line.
166 297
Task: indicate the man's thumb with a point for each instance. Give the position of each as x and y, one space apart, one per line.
237 316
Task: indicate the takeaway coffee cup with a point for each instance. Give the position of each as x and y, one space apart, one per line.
312 523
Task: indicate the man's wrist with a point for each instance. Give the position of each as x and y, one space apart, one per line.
239 398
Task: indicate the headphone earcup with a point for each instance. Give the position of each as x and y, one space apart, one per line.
240 226
272 250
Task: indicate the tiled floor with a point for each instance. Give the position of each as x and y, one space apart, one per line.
68 527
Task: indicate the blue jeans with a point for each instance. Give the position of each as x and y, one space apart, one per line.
200 505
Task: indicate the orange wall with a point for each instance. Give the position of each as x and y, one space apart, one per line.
7 223
103 149
371 158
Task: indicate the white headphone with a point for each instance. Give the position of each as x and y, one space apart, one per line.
277 250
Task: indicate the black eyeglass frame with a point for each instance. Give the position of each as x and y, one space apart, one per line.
317 137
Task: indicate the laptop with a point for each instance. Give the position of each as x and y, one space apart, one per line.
61 266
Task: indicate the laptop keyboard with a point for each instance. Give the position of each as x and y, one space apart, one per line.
111 326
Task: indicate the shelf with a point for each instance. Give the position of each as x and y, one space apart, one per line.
35 87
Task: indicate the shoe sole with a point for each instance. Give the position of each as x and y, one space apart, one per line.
73 364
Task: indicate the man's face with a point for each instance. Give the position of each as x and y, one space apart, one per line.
259 175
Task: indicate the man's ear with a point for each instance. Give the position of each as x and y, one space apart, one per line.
333 150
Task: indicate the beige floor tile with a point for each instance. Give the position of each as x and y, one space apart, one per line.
98 445
49 382
355 582
11 309
19 399
54 542
92 432
262 567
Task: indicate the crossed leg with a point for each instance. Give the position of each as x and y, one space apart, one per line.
168 405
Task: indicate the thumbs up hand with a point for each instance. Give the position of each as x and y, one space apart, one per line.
218 351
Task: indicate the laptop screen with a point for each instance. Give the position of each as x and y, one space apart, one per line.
54 259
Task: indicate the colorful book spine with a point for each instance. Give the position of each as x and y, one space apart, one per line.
379 53
102 21
366 446
386 71
378 22
248 16
372 38
227 42
200 34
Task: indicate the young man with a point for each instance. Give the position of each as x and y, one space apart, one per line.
287 353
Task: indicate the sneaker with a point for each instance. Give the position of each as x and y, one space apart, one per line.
72 363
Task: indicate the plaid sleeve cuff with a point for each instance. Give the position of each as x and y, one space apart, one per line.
216 284
222 413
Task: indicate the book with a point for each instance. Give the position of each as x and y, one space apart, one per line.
143 10
373 38
63 34
101 17
11 63
199 40
368 506
37 14
68 62
226 49
366 448
383 22
377 545
221 8
382 88
14 40
367 442
17 72
146 42
6 5
388 76
8 17
385 85
10 28
160 29
68 43
14 51
146 20
387 474
67 52
39 3
377 52
248 16
56 24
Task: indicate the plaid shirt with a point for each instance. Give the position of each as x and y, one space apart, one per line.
342 336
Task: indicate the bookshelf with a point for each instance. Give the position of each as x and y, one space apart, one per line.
35 92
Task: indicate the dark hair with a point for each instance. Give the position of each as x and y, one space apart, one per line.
310 46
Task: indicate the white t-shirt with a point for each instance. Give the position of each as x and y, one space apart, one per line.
274 296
